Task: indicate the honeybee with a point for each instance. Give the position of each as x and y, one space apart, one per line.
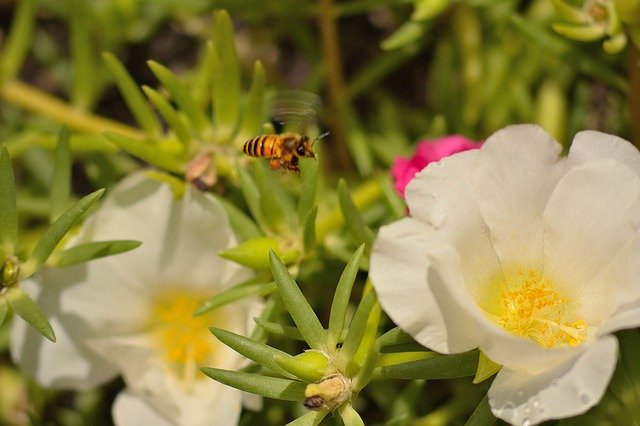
291 107
282 150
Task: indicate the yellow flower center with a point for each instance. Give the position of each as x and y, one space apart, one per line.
184 340
526 303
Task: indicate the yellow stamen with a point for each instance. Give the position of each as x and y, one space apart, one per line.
184 340
526 303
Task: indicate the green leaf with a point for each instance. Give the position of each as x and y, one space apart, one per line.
356 330
341 297
486 368
349 416
242 224
257 352
436 367
580 32
410 32
94 250
253 114
309 230
60 193
180 95
279 329
395 336
8 209
251 288
570 13
396 204
482 414
226 76
52 236
132 95
4 309
26 308
252 197
308 189
366 371
309 366
311 418
84 83
429 9
178 186
300 310
254 253
17 43
356 226
276 205
148 152
176 121
269 387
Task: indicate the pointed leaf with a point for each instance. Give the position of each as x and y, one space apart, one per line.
52 236
242 224
356 329
180 95
60 193
310 366
147 152
482 414
356 226
276 205
176 121
349 416
84 83
4 309
395 336
570 13
251 288
300 310
309 230
17 43
252 197
486 368
8 210
279 329
311 418
308 189
132 95
257 352
26 308
253 114
226 76
341 297
580 32
254 253
436 367
94 250
270 387
366 371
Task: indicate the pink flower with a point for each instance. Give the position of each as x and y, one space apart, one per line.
403 169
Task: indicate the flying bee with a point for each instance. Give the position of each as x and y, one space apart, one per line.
282 151
290 108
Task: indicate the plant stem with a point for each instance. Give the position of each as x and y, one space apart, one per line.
35 100
335 80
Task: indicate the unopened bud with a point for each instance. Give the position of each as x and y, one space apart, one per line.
10 272
328 394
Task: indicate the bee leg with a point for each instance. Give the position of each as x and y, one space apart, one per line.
275 163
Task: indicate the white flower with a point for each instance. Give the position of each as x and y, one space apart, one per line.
531 257
131 314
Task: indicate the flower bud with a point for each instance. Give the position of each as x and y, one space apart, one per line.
328 394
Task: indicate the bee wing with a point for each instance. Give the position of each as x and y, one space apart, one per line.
295 109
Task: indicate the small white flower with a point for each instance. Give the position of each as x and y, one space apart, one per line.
531 257
131 314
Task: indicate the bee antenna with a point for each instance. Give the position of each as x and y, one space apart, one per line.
322 136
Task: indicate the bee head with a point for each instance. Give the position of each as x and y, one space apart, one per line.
305 148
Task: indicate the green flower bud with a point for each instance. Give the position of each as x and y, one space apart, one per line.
309 366
329 393
10 272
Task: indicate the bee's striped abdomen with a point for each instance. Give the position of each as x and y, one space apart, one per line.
260 146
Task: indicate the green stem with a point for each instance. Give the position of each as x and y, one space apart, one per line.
363 196
35 100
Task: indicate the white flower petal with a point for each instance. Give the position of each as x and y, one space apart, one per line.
65 364
446 187
401 273
180 239
626 316
586 224
517 169
131 410
590 145
566 390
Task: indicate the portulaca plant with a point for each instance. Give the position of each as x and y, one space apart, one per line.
532 257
